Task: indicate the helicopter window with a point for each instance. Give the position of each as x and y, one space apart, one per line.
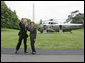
51 23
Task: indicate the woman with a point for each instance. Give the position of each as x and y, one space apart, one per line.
33 33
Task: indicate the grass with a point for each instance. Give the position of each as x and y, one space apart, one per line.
55 40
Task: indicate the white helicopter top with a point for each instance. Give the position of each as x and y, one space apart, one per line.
53 22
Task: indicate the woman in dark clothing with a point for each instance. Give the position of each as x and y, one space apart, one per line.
33 33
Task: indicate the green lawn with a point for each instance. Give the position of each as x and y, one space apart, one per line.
55 40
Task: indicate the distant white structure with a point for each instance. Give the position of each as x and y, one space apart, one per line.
33 12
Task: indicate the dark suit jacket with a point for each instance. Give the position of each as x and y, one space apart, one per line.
32 32
22 33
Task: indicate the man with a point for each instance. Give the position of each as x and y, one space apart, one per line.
33 33
22 35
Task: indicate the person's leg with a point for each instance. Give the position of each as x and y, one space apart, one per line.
32 45
25 44
19 43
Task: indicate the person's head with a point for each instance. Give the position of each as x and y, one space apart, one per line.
22 20
32 24
25 22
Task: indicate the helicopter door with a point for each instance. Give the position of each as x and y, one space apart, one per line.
60 28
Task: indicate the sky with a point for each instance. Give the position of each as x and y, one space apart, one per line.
45 9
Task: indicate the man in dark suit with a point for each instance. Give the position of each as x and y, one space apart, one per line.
33 33
22 35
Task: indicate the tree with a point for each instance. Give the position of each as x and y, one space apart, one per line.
79 18
9 18
76 17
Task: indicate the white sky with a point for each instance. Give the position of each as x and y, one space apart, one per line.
45 9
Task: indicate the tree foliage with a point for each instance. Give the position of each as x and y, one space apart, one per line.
9 18
79 18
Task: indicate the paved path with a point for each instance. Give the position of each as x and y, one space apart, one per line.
43 55
45 51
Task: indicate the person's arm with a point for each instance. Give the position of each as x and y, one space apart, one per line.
21 28
35 33
20 24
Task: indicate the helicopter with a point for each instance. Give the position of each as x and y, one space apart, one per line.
53 25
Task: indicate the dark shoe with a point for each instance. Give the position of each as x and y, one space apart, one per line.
26 52
33 53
